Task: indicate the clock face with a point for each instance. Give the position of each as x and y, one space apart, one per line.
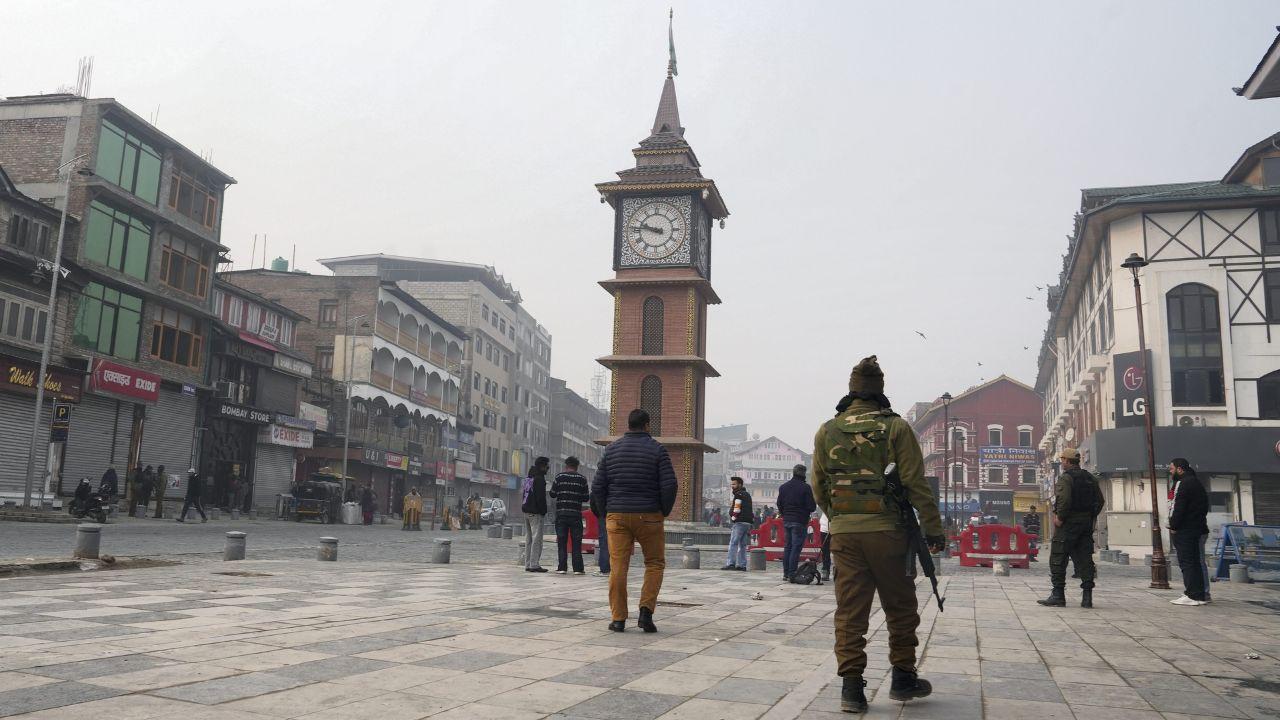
655 229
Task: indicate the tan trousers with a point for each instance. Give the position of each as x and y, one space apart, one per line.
866 563
625 529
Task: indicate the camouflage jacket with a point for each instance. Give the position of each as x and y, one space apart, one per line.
904 450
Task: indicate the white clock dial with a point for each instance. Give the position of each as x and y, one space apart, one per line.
655 230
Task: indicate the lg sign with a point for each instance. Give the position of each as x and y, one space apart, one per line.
1133 378
1131 401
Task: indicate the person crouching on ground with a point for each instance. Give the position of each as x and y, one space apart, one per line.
635 486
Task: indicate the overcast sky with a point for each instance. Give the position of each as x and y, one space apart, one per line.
890 167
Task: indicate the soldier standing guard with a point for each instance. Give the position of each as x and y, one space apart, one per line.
868 544
1077 501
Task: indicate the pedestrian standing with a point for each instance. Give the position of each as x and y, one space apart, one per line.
602 541
534 506
1189 526
147 485
569 489
1077 501
740 517
796 506
412 510
161 485
194 490
636 488
868 543
1031 526
368 501
824 527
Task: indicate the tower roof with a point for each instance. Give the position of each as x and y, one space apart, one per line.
668 117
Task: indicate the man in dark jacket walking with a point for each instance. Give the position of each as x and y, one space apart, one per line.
636 488
796 505
569 490
1190 529
534 507
194 490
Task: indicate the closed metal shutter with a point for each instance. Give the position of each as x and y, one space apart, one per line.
272 473
99 436
276 392
15 428
1266 499
167 436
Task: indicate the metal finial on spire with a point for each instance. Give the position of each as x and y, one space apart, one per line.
671 42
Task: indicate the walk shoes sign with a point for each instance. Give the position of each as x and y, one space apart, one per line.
121 380
20 376
1131 389
243 413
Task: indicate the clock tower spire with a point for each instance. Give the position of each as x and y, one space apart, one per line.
664 212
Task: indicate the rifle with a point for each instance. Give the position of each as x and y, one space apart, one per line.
916 546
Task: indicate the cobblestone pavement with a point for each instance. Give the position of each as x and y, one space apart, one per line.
351 640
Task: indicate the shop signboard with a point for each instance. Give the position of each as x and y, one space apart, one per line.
284 435
998 503
992 455
292 365
396 461
19 376
374 456
242 413
315 414
1131 389
248 348
61 424
123 381
294 422
462 470
445 471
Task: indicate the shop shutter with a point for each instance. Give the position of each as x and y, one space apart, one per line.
272 473
167 437
99 436
1266 499
15 428
276 392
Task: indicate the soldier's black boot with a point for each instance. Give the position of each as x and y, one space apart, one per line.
907 686
1057 598
1086 598
853 696
645 622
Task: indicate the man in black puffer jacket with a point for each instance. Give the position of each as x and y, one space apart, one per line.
636 488
1188 523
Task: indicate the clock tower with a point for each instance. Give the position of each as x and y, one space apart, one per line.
664 211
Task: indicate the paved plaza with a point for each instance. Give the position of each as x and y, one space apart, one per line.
297 638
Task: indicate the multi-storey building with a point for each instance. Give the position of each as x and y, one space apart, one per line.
402 363
716 466
1210 305
992 457
250 426
506 363
575 425
28 237
764 464
150 220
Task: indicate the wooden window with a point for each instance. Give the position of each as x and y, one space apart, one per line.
652 316
176 338
1024 437
328 315
193 194
995 436
651 402
22 320
184 265
28 234
324 361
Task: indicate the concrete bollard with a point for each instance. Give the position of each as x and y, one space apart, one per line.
506 532
88 538
235 514
1238 573
692 558
1000 568
139 511
937 564
518 530
522 557
756 559
234 549
328 549
686 542
253 513
381 519
494 531
213 513
440 552
1146 560
1122 558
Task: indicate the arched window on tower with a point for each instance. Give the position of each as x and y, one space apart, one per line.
1195 346
652 317
651 402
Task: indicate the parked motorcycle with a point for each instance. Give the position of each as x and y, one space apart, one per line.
87 503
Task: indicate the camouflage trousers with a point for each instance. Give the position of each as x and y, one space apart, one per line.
1073 541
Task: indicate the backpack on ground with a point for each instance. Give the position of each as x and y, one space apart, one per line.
806 572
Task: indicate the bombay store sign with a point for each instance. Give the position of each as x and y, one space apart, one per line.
287 436
20 376
243 413
123 381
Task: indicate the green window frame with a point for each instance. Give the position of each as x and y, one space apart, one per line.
128 162
108 321
118 240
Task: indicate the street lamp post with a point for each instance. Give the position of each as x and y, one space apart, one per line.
946 456
351 355
50 325
1159 564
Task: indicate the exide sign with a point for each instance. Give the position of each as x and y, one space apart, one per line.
117 379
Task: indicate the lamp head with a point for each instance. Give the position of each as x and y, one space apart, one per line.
1134 262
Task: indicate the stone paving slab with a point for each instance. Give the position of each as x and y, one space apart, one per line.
406 640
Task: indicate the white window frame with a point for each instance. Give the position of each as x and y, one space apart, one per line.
964 474
1002 470
1026 429
998 428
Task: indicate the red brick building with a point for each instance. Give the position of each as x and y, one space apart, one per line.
992 456
663 214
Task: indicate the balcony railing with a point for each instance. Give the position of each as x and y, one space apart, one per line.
392 334
381 380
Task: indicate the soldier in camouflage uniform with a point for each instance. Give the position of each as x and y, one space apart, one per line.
868 544
1077 501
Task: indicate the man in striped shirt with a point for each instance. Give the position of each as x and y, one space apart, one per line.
569 490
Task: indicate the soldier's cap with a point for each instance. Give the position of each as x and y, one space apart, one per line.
867 377
1070 454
